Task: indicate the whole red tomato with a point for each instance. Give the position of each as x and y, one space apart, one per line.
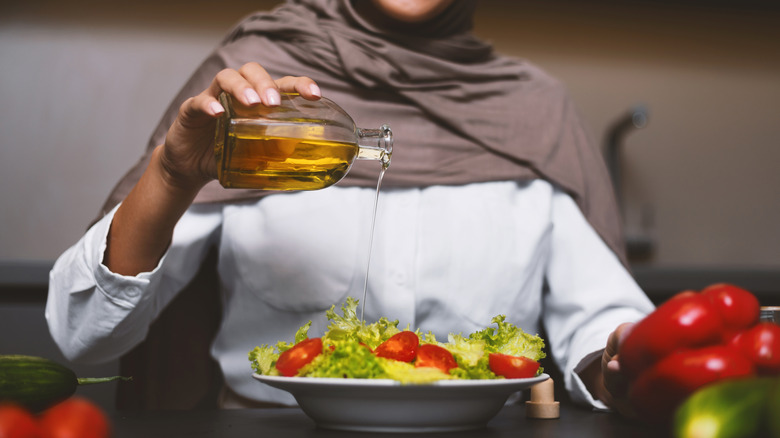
401 346
739 308
17 422
761 344
300 354
434 356
687 320
660 390
75 418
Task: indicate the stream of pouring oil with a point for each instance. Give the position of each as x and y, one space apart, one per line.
385 164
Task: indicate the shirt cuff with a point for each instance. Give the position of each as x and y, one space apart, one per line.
123 290
579 390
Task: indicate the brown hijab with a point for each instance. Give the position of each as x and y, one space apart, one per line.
460 113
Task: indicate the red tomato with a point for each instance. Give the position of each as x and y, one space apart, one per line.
761 344
687 320
739 308
401 346
512 367
75 418
434 356
660 390
299 355
17 422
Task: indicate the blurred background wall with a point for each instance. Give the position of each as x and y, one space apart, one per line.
701 178
83 83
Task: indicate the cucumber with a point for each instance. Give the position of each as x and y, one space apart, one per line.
37 383
773 407
735 408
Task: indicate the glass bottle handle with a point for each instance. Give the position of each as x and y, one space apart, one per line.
375 144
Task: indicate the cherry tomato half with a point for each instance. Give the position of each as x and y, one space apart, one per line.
434 356
301 354
75 417
512 367
401 346
17 422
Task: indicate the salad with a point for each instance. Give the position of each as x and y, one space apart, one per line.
350 348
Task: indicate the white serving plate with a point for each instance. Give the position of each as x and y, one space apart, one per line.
387 406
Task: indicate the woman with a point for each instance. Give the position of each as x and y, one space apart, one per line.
495 190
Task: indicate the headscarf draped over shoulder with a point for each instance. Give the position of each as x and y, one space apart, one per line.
460 113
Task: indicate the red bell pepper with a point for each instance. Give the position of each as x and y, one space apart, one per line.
691 340
761 344
687 320
658 391
738 308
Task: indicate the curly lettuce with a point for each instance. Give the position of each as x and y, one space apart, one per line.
349 326
263 360
349 342
510 339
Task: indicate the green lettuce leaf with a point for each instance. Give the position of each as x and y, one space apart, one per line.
350 327
347 359
263 359
510 339
466 351
300 335
479 370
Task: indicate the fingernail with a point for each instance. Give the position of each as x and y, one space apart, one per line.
315 90
216 108
273 97
251 96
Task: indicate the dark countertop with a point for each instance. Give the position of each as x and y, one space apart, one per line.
293 423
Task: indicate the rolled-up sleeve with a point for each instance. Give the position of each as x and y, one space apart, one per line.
590 294
95 315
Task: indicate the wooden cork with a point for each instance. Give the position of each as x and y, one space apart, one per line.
542 404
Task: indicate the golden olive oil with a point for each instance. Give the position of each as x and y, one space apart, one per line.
252 157
371 240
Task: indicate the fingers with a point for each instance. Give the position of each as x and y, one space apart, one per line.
249 85
252 84
614 380
609 363
302 85
616 338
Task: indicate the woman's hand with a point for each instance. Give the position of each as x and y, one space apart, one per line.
187 156
143 224
604 379
615 383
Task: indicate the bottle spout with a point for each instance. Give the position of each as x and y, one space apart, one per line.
376 144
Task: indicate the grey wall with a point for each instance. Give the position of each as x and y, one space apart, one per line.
83 84
702 175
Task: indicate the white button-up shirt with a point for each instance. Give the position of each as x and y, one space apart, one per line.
444 259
